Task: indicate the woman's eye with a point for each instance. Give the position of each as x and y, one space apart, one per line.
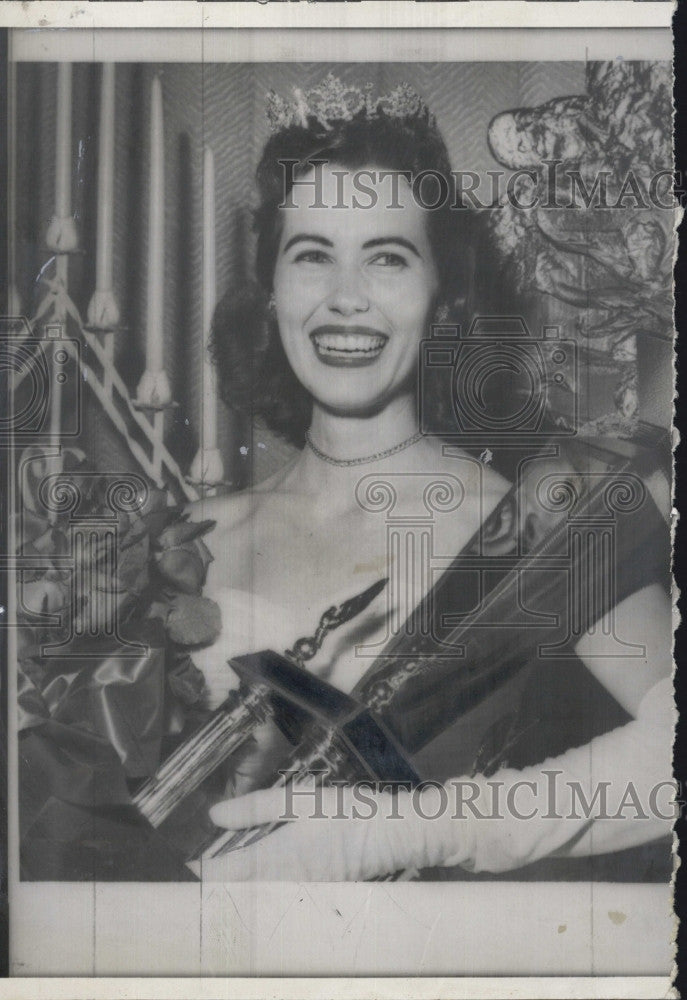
389 260
312 257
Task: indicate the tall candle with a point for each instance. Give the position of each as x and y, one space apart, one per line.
156 235
105 180
154 389
13 301
63 180
209 300
103 311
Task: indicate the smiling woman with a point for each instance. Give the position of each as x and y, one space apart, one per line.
355 289
312 180
355 276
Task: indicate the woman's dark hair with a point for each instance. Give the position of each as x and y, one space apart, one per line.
253 373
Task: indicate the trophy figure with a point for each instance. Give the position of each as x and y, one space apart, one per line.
279 687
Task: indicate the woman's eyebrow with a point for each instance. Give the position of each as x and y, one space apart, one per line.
398 240
306 237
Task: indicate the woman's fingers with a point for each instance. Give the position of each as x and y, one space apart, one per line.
304 800
329 841
253 809
281 857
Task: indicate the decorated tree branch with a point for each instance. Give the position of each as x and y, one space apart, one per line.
588 219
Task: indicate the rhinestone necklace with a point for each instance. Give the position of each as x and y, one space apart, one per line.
368 459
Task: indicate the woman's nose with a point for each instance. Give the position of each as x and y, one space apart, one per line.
348 294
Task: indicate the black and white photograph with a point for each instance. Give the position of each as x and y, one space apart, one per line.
340 446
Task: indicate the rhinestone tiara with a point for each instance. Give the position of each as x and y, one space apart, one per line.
333 101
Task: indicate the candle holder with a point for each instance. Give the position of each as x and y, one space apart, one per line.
207 468
208 490
103 311
62 235
143 406
77 252
154 392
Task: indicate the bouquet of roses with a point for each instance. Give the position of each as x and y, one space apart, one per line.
99 708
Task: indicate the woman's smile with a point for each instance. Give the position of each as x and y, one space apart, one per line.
354 289
348 346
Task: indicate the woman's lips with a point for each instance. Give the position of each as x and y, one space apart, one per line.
348 346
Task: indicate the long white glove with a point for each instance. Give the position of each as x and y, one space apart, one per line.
336 835
629 769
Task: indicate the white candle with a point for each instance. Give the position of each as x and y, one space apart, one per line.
209 440
13 301
156 236
154 389
103 281
103 311
207 467
61 235
63 180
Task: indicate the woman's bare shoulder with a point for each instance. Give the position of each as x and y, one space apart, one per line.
232 510
228 510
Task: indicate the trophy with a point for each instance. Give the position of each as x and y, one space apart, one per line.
344 739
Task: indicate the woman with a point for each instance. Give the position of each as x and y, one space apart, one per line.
353 269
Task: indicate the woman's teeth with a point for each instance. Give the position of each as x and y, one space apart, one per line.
360 345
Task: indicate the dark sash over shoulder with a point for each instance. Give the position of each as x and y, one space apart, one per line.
573 537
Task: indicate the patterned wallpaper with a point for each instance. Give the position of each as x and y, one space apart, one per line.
222 106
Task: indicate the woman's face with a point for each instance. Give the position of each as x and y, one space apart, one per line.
354 286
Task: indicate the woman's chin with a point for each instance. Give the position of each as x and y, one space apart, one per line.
355 407
358 397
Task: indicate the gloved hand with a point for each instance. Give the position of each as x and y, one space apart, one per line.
336 834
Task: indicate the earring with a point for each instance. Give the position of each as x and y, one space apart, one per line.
441 314
271 304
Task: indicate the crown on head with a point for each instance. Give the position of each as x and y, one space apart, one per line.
333 100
